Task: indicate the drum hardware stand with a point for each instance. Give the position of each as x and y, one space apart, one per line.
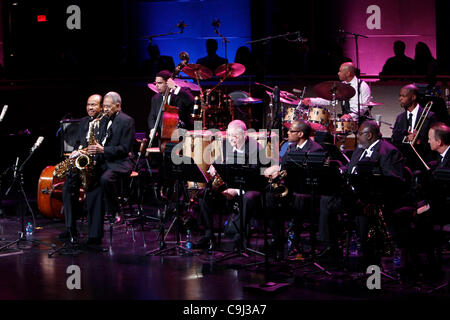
18 178
333 104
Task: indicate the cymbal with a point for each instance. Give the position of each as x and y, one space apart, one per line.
372 104
234 70
180 83
284 98
325 90
197 71
249 100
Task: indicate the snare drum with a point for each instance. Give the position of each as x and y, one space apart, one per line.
319 114
345 126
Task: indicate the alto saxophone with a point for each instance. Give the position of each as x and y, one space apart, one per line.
278 187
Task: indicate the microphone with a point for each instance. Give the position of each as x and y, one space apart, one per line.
2 115
181 25
216 23
37 143
297 90
276 94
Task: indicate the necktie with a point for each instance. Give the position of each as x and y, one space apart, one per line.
345 107
410 121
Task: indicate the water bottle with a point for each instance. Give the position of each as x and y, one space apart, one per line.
353 247
397 259
290 239
29 229
188 239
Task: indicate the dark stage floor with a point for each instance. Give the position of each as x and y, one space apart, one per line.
124 271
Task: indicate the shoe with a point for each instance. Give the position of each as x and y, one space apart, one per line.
93 241
204 243
67 234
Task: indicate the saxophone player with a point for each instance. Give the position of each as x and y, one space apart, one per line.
71 188
113 161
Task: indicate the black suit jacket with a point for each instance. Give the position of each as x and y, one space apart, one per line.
119 143
83 129
401 130
387 157
446 161
254 154
184 101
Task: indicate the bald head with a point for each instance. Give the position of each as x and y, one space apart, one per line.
408 97
94 105
347 71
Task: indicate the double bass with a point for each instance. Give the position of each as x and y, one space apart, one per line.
168 115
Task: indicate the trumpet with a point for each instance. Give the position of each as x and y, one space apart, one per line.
279 189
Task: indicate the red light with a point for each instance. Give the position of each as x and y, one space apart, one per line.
42 18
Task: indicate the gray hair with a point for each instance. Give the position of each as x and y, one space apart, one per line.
114 96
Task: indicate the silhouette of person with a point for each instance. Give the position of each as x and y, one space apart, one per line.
245 57
212 61
425 64
156 61
400 64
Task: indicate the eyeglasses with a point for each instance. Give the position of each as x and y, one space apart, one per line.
361 133
294 130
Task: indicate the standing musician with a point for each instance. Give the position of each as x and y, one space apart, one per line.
299 133
347 74
178 97
71 188
237 149
388 162
114 160
406 128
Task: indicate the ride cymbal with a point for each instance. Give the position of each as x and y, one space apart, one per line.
325 90
197 71
231 70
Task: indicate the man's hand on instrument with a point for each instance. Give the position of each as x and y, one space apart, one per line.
411 136
95 148
212 171
75 154
346 117
171 84
151 132
230 193
272 171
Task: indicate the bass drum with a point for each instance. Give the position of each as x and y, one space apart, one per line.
49 194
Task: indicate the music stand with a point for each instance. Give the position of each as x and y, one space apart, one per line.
308 174
239 176
180 169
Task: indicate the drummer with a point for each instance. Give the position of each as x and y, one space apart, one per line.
347 74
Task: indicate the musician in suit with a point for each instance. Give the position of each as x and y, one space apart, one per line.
406 126
212 61
238 148
113 161
71 188
381 158
178 97
439 140
299 136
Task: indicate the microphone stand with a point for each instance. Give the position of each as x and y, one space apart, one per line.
18 177
356 36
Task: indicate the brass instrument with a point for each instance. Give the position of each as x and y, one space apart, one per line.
278 188
419 127
84 162
218 184
419 124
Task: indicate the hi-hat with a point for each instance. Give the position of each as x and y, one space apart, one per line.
249 100
372 104
178 82
284 98
197 71
231 70
325 90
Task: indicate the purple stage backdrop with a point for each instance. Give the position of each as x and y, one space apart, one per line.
383 22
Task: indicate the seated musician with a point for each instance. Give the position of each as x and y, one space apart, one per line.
178 97
71 188
299 133
237 149
439 140
347 74
406 126
113 160
388 162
